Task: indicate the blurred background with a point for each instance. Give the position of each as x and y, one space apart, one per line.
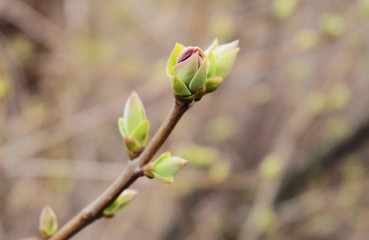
279 151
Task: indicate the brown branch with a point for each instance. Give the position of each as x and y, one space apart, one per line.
129 176
323 160
36 26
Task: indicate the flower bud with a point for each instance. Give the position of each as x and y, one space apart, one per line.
134 127
48 222
187 69
194 73
165 167
122 200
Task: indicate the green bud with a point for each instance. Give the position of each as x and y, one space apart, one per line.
122 200
187 68
141 132
48 222
133 147
213 83
134 113
134 127
148 170
194 73
221 59
165 167
225 55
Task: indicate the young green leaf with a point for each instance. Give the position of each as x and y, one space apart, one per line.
134 113
173 58
225 63
199 79
141 132
187 69
121 127
179 87
213 83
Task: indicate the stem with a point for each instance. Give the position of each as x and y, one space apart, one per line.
130 174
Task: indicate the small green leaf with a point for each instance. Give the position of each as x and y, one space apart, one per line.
179 87
131 143
121 127
187 69
141 132
212 65
122 200
213 45
225 63
224 49
134 113
197 95
173 58
163 179
111 210
199 79
163 156
169 166
213 83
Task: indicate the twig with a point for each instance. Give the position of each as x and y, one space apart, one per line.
323 160
129 176
38 27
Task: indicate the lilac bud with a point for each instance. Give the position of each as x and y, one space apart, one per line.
187 69
188 52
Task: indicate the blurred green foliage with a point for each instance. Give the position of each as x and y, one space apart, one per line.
221 26
297 71
364 7
270 167
220 170
196 155
266 220
94 49
306 39
338 97
338 128
23 48
284 8
220 129
260 94
317 103
332 25
4 87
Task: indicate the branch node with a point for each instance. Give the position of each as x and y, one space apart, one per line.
87 214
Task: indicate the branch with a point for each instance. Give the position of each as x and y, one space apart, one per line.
323 160
130 175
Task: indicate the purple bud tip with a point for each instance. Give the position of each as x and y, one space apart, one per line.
47 209
188 52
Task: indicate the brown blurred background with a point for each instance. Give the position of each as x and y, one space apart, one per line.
280 151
